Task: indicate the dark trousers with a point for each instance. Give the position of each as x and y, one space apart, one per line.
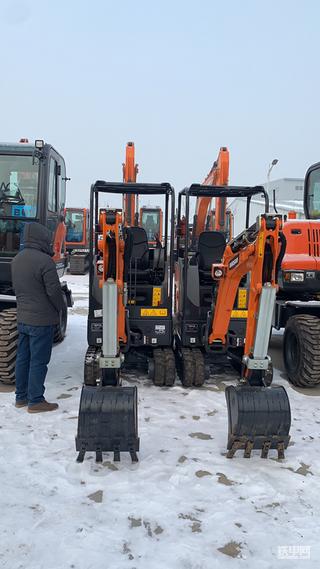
33 356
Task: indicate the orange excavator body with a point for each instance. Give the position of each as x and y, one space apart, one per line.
236 263
111 233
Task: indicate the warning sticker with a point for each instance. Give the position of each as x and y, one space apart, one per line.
239 314
154 312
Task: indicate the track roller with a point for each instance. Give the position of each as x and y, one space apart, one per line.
108 422
259 418
191 367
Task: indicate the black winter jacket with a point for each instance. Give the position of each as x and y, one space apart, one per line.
35 279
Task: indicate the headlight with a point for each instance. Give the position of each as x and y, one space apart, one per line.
218 273
297 277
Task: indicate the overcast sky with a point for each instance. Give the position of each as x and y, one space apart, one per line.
179 78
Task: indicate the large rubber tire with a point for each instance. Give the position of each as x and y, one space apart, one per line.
61 328
301 350
8 345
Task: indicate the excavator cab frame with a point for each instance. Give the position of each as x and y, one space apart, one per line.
149 321
193 302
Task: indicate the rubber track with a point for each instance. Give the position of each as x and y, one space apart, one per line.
170 367
159 368
199 375
307 328
8 345
187 367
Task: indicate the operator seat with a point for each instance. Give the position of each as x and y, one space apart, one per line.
140 249
211 246
147 266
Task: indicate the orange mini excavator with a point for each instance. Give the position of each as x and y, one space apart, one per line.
215 283
259 415
129 320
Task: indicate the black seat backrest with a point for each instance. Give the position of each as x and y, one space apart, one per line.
140 248
211 246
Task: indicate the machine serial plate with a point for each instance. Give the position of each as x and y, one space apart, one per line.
154 312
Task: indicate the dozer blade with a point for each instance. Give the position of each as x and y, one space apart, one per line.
108 422
259 418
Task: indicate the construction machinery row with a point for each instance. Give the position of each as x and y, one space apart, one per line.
184 297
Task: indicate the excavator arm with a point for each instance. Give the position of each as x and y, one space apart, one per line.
255 251
218 176
259 415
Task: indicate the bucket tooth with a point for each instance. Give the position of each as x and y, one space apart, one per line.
108 422
265 449
234 447
280 449
80 457
258 418
134 456
247 449
98 455
116 454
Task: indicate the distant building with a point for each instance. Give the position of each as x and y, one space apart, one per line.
288 197
286 189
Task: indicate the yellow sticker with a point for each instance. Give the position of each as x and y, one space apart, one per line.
260 244
242 298
156 296
154 312
239 314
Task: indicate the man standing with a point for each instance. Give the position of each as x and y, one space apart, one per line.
39 303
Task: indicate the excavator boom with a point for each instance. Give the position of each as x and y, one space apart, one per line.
218 176
130 170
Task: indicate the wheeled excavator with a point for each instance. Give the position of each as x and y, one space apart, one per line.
32 188
297 308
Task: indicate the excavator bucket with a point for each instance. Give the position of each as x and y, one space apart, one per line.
108 422
259 418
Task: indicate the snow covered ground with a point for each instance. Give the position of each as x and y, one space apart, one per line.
183 506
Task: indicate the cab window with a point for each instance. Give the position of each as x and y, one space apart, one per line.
52 194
